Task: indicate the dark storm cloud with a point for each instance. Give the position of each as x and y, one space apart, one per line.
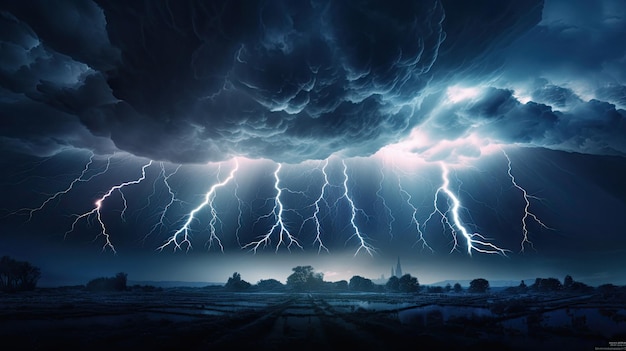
593 127
195 81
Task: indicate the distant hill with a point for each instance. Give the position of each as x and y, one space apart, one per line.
172 284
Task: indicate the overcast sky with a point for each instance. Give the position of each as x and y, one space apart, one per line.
187 140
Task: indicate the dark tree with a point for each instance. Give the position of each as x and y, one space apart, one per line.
479 285
270 285
305 278
235 283
17 275
393 284
359 283
117 283
120 281
568 281
457 288
448 288
547 285
407 283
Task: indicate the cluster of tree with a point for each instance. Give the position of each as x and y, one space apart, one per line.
17 275
551 285
235 283
405 283
117 283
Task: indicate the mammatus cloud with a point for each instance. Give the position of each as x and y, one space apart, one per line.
290 81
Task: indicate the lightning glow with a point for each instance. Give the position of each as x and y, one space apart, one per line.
181 237
284 236
474 241
363 244
98 207
527 213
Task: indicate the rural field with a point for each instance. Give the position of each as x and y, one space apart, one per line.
213 319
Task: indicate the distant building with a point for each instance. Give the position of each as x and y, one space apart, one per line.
398 268
398 272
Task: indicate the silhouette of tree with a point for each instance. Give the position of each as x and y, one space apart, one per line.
448 288
479 285
568 281
235 283
117 283
407 283
359 283
457 288
17 275
393 284
304 278
270 285
547 284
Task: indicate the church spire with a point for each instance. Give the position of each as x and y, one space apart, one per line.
398 269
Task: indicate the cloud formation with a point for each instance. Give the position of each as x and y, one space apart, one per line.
192 81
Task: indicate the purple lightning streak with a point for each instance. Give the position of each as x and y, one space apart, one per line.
172 199
315 216
527 212
184 231
363 244
80 178
284 236
474 241
388 212
97 209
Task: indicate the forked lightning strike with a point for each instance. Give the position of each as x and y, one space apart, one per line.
177 242
172 199
363 244
80 178
474 241
98 207
414 221
527 212
284 236
315 216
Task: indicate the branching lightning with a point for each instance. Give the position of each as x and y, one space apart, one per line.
474 241
414 221
184 231
388 213
527 212
284 236
80 178
98 206
172 199
363 244
316 213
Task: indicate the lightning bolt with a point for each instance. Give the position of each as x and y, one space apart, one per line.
414 221
184 230
527 212
388 212
284 236
80 178
172 199
315 216
474 241
363 244
98 207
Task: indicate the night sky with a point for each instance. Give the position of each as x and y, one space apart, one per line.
187 140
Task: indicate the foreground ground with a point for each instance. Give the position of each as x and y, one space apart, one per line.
212 319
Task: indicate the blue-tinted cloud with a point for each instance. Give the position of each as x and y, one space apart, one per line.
290 81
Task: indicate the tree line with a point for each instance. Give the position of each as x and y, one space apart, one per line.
17 275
